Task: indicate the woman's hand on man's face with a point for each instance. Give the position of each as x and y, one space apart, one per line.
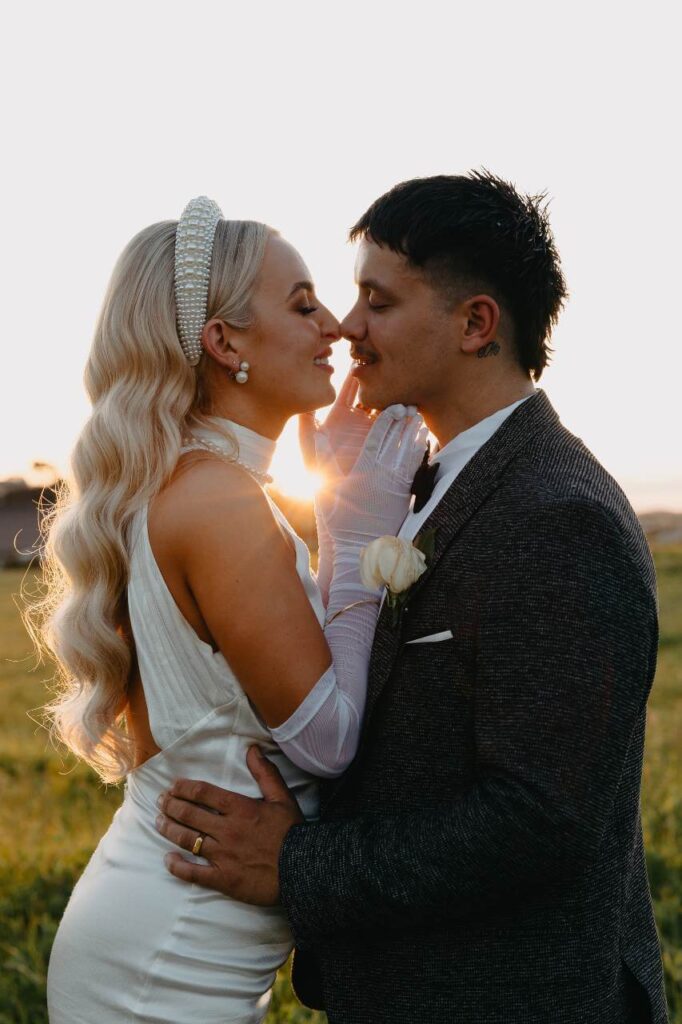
340 439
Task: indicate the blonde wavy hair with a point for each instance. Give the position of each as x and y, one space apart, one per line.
145 396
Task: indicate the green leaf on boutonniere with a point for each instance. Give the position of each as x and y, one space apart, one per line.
395 603
426 543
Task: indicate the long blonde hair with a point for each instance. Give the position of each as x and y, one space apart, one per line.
145 396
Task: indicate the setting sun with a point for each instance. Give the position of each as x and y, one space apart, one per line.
290 476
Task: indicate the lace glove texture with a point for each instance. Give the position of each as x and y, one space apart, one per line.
345 431
322 735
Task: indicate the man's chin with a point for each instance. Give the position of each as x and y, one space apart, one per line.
381 398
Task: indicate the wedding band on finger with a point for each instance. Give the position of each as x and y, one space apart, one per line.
198 843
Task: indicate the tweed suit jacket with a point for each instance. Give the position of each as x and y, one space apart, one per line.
481 861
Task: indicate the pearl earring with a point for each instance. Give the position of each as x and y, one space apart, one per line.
242 374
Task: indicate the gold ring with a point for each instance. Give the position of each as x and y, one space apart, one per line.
198 843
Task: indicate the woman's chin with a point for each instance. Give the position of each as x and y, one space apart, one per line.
323 396
311 403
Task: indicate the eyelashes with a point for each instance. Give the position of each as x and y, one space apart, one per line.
307 310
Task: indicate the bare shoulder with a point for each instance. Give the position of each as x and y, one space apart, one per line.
212 500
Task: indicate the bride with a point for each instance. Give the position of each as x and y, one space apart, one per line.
181 608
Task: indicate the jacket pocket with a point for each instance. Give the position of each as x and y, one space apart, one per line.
432 638
637 996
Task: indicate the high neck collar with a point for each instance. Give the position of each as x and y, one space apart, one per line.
254 451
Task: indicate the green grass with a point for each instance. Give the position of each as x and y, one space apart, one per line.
52 814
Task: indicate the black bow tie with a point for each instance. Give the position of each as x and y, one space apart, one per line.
424 481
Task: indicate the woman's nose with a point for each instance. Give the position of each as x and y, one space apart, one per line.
331 329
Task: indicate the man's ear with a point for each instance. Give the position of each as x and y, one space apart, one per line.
219 341
482 321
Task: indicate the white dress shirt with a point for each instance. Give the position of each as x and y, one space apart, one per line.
452 459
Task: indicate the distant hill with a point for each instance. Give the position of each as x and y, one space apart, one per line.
19 533
19 521
662 527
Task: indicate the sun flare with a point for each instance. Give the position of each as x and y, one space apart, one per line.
290 476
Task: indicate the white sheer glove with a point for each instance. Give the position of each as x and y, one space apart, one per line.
373 499
333 448
345 430
323 733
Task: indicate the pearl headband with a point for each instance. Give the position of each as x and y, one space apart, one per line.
193 247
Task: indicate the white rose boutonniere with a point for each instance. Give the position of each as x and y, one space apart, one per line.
396 564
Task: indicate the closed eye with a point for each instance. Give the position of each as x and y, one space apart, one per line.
307 310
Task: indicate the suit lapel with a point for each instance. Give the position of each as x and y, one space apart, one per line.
478 479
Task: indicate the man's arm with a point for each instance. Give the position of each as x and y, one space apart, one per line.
565 662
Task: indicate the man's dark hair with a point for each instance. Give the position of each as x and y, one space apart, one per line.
477 231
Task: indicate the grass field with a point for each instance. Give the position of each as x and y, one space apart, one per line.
51 815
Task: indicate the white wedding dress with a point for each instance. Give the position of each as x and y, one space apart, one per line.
136 944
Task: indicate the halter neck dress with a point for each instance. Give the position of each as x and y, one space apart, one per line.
136 944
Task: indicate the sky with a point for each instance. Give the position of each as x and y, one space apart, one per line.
300 115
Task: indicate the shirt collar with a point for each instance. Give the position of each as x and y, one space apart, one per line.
474 437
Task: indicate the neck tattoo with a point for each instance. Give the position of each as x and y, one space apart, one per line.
491 349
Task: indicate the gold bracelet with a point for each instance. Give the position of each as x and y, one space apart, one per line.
355 604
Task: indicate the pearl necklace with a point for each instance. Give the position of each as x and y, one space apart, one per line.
194 444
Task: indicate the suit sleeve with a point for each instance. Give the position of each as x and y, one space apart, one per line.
565 660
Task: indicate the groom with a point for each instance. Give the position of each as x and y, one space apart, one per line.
481 861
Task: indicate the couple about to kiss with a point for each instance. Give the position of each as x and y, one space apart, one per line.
421 765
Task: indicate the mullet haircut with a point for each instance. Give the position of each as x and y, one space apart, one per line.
476 231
